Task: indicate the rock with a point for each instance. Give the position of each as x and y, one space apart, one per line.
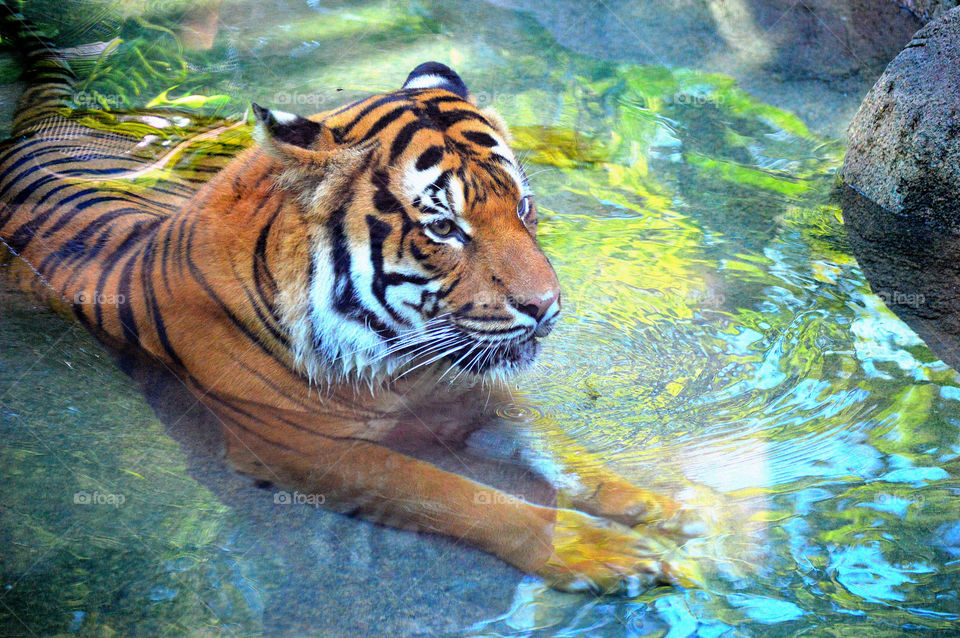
904 149
901 200
927 10
913 265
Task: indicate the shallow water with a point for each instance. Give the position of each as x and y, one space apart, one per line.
716 333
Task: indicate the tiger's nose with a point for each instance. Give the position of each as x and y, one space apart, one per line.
539 307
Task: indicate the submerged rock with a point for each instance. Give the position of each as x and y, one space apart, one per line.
913 265
901 202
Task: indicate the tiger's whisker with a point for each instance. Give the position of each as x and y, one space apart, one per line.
446 352
469 364
475 345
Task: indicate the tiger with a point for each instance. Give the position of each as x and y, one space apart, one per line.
325 285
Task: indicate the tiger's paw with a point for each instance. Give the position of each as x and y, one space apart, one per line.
618 500
605 557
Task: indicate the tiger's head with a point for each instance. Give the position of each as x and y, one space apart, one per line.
422 229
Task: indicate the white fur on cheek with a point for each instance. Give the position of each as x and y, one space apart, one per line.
347 346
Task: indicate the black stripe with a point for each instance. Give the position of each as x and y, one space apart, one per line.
344 298
387 204
379 231
481 138
383 199
429 158
61 161
385 121
443 98
69 215
13 205
263 316
165 258
135 236
265 380
128 322
199 277
80 240
446 119
263 279
404 136
153 307
387 99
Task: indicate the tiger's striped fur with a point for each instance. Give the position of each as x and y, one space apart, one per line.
391 240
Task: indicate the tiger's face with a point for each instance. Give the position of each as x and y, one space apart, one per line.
424 250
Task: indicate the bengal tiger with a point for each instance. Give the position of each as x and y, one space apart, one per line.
317 290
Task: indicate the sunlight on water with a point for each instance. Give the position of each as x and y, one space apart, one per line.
717 337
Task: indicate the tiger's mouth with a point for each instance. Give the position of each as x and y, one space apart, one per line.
505 350
456 351
453 349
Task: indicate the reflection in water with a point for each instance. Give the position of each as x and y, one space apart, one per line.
717 334
913 264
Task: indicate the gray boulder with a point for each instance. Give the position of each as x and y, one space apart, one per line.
927 10
904 142
901 200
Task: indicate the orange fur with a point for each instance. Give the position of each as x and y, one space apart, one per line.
214 281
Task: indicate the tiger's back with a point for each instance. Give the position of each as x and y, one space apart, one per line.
76 186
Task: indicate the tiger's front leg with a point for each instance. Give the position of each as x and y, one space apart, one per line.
586 483
572 550
607 494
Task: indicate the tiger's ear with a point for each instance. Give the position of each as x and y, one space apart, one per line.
434 75
292 138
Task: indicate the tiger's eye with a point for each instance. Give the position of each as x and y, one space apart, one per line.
441 227
523 206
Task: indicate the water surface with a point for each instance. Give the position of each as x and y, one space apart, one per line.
716 333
